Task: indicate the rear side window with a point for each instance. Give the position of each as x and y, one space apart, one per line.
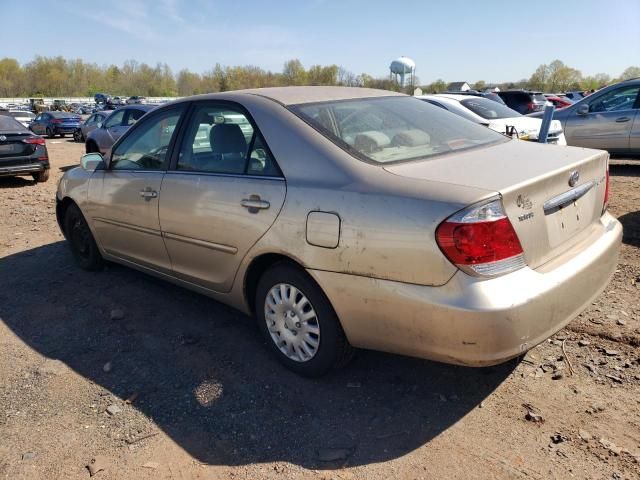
394 129
134 116
9 124
222 140
115 119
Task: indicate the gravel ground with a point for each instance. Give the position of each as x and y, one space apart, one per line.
148 380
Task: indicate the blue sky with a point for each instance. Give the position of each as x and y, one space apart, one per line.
493 41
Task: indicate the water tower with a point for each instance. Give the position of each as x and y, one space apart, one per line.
401 67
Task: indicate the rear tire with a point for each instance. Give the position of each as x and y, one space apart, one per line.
300 326
42 176
83 245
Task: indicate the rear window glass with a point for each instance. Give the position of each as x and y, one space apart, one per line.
539 97
394 129
21 114
488 108
9 124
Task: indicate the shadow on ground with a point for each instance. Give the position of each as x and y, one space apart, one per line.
206 378
16 182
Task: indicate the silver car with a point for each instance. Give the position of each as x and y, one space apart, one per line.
608 119
90 124
106 133
347 217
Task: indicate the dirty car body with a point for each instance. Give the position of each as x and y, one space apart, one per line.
424 233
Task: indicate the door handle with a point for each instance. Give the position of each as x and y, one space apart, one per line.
254 203
148 194
622 119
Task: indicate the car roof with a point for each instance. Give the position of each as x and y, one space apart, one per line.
307 94
450 96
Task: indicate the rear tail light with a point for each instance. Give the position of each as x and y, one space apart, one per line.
532 107
480 240
34 141
57 120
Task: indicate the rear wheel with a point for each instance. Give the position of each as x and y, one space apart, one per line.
299 323
83 246
42 176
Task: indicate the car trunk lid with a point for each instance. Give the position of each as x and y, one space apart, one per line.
550 209
13 146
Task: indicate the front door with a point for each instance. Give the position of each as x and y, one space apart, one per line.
124 197
608 123
223 194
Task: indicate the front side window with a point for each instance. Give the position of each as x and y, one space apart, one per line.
394 129
222 140
488 108
147 146
115 119
615 100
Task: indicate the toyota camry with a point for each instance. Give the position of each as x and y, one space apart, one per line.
345 218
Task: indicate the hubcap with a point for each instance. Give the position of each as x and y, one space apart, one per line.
292 322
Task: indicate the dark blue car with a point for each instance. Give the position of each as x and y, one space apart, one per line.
55 123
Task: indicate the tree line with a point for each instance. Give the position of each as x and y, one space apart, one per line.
57 76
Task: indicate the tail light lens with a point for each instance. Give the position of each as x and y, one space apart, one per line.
480 240
34 141
56 120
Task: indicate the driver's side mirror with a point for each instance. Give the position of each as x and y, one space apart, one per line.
92 162
583 109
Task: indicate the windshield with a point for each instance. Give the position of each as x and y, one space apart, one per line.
488 108
394 129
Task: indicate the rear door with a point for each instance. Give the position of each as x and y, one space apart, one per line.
608 123
221 195
123 200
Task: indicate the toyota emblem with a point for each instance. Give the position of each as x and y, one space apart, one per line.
2 138
573 178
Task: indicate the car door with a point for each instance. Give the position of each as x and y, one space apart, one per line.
634 136
607 123
124 197
38 124
222 193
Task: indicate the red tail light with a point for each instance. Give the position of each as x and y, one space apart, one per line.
34 141
532 106
56 120
480 240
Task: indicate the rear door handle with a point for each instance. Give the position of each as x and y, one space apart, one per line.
622 119
254 203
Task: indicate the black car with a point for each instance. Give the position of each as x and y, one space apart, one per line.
523 101
22 152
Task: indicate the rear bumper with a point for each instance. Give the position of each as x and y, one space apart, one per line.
473 321
23 169
65 129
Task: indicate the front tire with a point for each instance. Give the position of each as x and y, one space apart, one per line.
299 323
77 136
83 245
50 133
41 177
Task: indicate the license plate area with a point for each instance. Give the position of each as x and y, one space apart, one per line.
566 221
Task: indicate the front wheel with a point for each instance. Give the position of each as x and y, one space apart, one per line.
83 246
77 136
299 323
50 133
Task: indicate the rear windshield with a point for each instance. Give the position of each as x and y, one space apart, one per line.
21 114
63 115
488 108
394 129
539 97
8 124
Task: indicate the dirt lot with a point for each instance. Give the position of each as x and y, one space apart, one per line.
206 400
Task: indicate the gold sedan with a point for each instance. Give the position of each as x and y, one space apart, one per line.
348 217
